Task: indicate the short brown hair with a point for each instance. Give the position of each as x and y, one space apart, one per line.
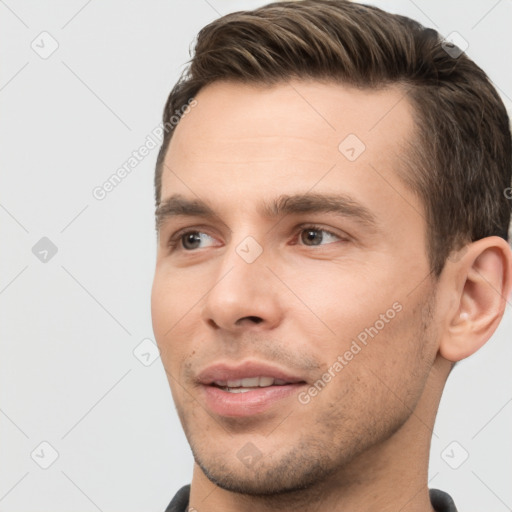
460 159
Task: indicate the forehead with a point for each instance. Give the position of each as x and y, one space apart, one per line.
241 141
313 111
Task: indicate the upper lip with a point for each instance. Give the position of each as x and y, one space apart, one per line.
247 369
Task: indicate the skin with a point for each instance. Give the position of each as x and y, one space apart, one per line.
301 305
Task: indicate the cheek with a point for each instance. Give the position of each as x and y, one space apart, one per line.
369 321
384 379
399 357
345 302
172 303
174 296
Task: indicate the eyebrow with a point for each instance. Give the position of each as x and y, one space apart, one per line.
179 206
340 204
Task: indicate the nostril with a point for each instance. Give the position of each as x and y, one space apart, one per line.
255 319
213 324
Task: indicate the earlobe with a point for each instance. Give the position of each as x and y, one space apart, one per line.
481 283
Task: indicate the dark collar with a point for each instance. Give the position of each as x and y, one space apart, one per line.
441 501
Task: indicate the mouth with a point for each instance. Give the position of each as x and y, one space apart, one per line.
248 384
247 389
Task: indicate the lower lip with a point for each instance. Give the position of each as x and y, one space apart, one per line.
247 403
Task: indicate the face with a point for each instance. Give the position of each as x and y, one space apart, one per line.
289 248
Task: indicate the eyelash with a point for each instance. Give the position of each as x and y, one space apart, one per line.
176 238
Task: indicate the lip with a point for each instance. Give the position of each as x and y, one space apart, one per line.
252 402
247 369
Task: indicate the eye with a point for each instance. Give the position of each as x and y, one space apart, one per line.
314 235
191 240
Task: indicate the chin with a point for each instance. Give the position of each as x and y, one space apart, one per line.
295 471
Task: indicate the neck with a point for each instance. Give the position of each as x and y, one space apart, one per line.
390 476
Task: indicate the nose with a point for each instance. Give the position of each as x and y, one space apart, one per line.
244 295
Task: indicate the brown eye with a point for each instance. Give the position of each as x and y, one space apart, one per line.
191 240
312 236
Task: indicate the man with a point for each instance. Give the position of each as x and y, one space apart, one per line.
332 238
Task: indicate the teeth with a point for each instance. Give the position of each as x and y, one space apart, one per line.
251 382
265 381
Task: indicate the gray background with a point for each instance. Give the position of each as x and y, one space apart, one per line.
68 373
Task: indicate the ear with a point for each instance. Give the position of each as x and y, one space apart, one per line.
479 285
